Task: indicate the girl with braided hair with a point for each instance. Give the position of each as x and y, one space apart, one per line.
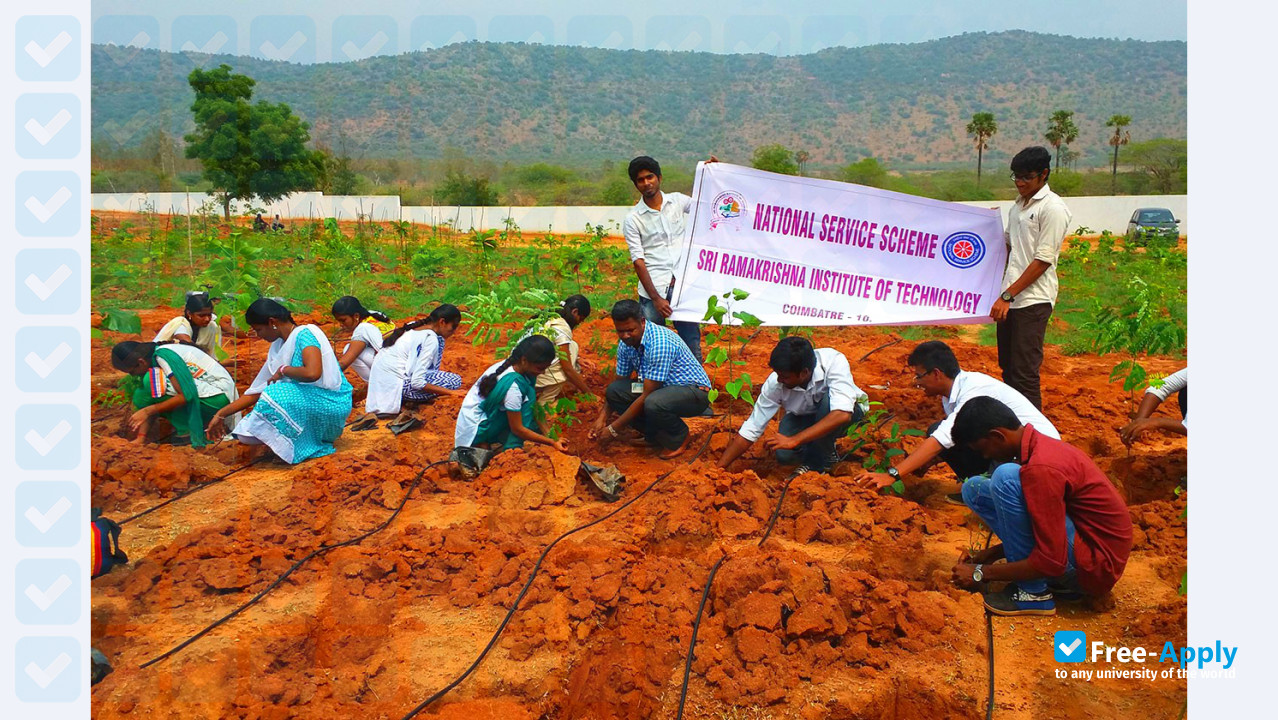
181 383
498 410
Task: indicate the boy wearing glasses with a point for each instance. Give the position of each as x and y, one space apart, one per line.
937 372
1036 226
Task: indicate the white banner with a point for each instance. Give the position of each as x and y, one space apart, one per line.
819 252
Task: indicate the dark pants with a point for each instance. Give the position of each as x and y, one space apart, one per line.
1020 349
689 332
661 420
818 454
963 460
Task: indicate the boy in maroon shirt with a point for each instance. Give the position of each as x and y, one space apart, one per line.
1064 529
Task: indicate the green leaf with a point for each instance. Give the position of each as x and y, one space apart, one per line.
745 395
912 432
95 333
734 388
712 304
712 394
897 488
738 294
122 321
747 319
894 452
716 356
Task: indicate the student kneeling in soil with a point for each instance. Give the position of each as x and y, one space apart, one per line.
562 375
937 372
498 410
366 328
819 399
182 384
1178 383
197 325
1065 532
407 369
300 398
669 383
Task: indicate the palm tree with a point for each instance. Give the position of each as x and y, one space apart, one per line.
1120 137
982 126
1061 130
802 157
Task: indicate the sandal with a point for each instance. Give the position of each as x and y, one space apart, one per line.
364 423
409 424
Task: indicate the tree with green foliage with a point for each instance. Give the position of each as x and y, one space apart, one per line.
802 157
1061 130
775 158
1120 137
982 128
460 188
867 172
1165 160
247 150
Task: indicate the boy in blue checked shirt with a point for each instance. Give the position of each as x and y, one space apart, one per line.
669 383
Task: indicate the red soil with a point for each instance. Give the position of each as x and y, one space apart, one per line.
846 612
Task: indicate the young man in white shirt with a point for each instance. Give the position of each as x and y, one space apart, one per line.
654 233
815 390
937 371
1036 227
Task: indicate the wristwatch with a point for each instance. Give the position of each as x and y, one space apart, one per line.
611 431
1005 296
977 575
896 475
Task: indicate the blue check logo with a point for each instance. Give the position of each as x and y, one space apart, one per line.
1070 646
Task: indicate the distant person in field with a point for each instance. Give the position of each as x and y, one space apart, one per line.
277 224
657 383
818 398
181 383
1175 384
654 233
498 409
1036 226
937 372
197 325
563 376
1064 529
259 224
300 398
366 328
407 368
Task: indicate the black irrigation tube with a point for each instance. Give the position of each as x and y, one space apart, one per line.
705 593
318 551
192 490
533 576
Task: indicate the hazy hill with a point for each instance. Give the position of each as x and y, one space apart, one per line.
905 104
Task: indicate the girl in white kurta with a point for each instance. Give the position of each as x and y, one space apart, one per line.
197 325
366 328
408 366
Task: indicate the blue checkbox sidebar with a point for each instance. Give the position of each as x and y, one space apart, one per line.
47 669
47 204
47 514
47 126
47 282
1069 646
47 437
47 359
47 48
47 592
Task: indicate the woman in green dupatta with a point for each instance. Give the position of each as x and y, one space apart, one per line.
180 382
498 410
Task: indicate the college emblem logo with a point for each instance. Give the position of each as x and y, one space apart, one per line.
963 249
727 209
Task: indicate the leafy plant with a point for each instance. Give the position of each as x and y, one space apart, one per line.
1142 324
122 321
866 434
740 385
490 313
233 271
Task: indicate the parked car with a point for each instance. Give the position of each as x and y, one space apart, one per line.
1152 222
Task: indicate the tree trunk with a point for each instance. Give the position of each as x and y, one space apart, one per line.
1113 176
978 165
226 208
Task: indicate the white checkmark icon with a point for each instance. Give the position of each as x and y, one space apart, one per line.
44 288
123 54
44 444
43 211
375 43
43 599
46 675
44 366
47 54
44 521
214 44
1070 648
46 132
294 44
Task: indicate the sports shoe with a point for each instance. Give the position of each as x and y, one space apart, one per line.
1064 594
1014 601
955 499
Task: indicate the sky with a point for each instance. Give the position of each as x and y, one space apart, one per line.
327 31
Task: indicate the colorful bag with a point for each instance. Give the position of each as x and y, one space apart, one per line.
106 545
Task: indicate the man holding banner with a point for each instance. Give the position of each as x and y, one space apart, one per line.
1036 226
654 233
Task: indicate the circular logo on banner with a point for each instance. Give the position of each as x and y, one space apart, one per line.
963 249
727 208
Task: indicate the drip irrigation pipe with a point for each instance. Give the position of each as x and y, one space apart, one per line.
318 551
192 490
705 592
533 576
